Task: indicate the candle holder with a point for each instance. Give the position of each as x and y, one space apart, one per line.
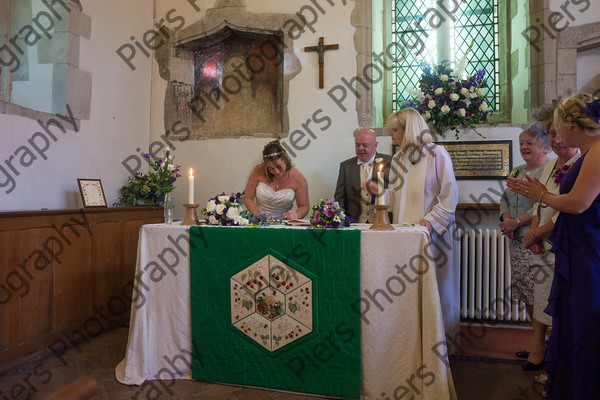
382 220
191 218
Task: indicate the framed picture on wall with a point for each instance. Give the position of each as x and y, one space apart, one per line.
92 193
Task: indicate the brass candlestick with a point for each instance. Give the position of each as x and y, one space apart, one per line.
382 220
191 218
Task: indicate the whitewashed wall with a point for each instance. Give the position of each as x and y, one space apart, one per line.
575 12
588 75
119 122
224 165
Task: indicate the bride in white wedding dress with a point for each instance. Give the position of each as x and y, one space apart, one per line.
274 185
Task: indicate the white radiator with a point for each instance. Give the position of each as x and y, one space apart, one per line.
485 277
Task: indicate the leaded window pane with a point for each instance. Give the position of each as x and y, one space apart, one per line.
414 26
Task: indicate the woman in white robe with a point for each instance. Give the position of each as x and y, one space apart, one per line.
422 190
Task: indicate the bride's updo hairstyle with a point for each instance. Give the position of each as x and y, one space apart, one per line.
583 109
274 151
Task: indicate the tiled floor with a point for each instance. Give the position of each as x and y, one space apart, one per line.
474 379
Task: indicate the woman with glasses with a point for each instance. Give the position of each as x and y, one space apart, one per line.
274 185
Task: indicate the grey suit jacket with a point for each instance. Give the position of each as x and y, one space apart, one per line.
347 190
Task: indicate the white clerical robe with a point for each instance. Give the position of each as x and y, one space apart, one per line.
422 185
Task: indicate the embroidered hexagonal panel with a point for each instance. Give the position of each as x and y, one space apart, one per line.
271 303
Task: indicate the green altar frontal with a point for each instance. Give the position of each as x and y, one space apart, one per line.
271 308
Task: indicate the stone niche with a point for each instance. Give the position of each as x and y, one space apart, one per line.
228 75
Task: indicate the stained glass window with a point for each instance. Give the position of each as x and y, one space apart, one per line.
430 31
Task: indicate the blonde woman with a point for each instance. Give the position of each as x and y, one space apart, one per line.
535 238
422 190
573 356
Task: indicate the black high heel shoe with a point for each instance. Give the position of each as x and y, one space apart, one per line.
522 354
529 366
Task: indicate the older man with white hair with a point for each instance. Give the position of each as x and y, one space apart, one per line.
355 171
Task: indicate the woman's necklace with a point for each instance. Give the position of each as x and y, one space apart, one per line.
277 184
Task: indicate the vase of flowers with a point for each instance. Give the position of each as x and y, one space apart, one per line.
448 101
168 208
153 188
329 214
228 210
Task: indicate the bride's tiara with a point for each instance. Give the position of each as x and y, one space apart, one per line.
278 153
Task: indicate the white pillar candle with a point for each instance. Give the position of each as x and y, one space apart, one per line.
191 187
380 194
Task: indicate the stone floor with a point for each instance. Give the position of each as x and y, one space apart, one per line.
474 379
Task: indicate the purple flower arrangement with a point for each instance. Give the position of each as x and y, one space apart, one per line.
165 173
448 101
150 188
329 214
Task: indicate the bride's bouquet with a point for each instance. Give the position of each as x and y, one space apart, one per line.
228 210
329 214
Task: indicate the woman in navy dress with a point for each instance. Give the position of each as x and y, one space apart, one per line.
573 355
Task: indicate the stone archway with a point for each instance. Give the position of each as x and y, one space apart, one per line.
228 73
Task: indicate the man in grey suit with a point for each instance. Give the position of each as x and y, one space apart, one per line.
353 172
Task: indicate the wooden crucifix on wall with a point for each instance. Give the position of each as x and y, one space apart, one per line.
321 48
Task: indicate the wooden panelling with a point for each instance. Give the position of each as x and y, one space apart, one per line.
36 295
61 269
107 262
478 206
5 292
75 271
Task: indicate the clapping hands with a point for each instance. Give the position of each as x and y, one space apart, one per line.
529 187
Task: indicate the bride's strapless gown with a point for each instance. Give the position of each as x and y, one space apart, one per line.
274 203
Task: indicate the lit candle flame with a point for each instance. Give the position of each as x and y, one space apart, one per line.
191 172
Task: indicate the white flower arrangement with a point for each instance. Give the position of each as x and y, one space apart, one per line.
447 100
229 210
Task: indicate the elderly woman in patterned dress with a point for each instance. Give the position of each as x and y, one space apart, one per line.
516 213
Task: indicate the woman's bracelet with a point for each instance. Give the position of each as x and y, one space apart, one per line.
542 195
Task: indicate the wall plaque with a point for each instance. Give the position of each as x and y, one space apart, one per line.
489 159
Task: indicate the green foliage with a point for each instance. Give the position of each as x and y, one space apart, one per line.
150 188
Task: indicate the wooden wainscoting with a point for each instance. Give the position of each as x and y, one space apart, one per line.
65 276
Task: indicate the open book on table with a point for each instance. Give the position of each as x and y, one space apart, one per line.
297 222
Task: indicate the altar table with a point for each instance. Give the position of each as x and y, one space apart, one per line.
402 341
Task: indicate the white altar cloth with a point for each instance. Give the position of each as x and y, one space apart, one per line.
403 344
